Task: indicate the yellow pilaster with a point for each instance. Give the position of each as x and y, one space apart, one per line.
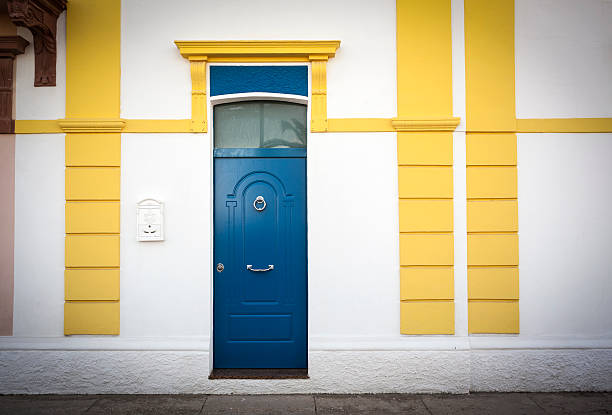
93 159
425 166
318 106
198 94
492 207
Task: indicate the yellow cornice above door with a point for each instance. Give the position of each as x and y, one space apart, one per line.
265 50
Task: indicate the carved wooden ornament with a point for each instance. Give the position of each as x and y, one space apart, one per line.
40 16
10 46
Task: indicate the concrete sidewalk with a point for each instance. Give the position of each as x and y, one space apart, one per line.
476 403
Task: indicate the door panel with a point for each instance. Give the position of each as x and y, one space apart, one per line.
260 317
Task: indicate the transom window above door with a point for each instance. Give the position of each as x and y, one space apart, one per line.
260 124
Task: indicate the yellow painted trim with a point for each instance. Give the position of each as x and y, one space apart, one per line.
492 249
426 249
93 183
37 127
493 283
91 317
114 125
86 149
424 61
426 283
491 182
426 215
490 149
493 317
259 59
318 101
356 125
427 317
434 124
92 251
564 125
489 65
93 59
492 215
425 181
93 156
419 148
91 284
281 49
157 126
92 217
198 94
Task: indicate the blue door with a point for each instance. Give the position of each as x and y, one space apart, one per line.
260 283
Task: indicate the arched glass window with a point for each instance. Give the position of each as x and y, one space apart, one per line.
260 124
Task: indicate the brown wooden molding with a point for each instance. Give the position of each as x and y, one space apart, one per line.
40 16
10 46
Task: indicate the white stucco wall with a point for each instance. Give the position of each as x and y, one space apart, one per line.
563 58
40 103
156 79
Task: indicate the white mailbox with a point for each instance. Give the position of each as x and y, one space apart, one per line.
150 220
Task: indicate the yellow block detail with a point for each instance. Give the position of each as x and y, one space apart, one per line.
426 215
318 105
424 53
491 149
427 317
425 182
347 125
427 283
92 251
91 317
426 249
493 317
492 216
93 183
562 125
93 149
495 283
93 51
92 217
491 182
492 249
91 284
425 148
267 50
489 65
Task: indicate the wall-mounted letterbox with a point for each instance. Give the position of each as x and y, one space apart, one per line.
150 220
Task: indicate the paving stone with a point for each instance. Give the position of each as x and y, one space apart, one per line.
482 403
259 404
574 403
370 404
45 404
148 404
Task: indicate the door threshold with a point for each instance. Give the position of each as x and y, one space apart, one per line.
259 374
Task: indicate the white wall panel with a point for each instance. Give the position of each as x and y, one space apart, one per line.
165 286
563 58
156 80
39 235
565 227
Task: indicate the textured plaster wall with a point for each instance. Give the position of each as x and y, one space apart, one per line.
330 371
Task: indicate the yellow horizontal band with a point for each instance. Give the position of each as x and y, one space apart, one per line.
564 125
348 125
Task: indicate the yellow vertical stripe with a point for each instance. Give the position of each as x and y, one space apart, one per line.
425 172
93 71
492 208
